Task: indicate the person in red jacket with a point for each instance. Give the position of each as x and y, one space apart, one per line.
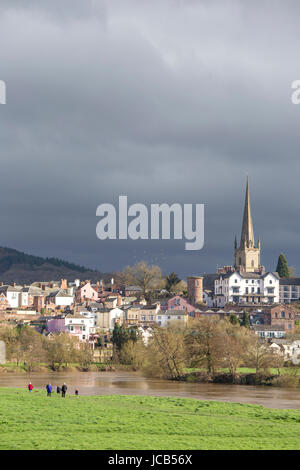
30 386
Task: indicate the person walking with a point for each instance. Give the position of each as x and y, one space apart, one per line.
30 387
76 392
49 390
64 388
58 389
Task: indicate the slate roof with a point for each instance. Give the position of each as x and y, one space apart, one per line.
172 312
289 281
268 328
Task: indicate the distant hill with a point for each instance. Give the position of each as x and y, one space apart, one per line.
20 267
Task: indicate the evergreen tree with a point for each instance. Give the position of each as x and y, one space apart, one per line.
172 280
233 319
121 335
282 266
245 320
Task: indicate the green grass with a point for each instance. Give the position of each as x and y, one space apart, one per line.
35 421
249 370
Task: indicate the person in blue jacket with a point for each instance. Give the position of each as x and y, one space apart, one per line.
49 390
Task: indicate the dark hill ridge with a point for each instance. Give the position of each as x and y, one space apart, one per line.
20 267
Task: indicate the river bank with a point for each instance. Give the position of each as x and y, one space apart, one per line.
285 378
133 383
35 421
11 367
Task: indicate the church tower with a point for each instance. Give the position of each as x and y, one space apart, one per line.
247 256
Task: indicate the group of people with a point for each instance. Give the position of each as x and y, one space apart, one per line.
61 390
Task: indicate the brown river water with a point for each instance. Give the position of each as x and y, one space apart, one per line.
131 383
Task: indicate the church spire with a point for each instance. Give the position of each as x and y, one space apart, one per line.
247 235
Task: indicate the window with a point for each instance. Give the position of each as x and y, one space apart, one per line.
283 314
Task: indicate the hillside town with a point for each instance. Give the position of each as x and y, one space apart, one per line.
90 311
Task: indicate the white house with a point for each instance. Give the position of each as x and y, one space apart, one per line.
289 289
79 326
246 288
287 348
165 317
106 318
61 298
269 331
14 295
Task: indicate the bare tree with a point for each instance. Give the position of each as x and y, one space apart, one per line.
260 356
143 275
204 343
235 341
61 350
166 352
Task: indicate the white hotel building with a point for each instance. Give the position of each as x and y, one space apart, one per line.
246 288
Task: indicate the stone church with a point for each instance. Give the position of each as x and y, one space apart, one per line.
247 255
247 281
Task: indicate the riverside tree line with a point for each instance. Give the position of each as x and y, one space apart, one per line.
208 344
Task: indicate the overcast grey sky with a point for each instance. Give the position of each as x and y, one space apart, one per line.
161 100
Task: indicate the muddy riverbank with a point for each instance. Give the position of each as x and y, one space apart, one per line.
133 383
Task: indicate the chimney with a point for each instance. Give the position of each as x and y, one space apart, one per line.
14 284
63 284
119 302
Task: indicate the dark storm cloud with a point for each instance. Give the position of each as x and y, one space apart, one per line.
165 101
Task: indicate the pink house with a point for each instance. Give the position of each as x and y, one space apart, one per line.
179 303
75 325
56 325
86 292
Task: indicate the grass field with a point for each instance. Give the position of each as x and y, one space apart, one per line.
35 421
